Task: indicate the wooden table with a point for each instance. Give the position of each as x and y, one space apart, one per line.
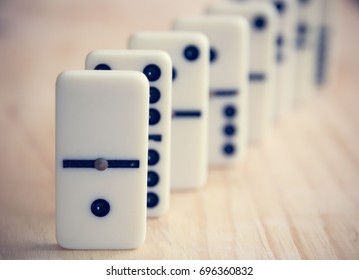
295 197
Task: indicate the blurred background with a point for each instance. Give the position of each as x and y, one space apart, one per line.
316 146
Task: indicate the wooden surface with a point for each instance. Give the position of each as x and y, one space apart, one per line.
295 197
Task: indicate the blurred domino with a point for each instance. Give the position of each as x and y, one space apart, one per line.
229 41
189 53
101 159
307 46
263 33
286 59
157 67
324 46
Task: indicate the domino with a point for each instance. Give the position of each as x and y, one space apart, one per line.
189 52
157 67
262 77
324 45
285 57
101 159
229 65
307 45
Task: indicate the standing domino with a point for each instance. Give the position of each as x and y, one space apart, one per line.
286 59
101 159
324 40
285 55
189 52
263 22
157 67
307 41
229 41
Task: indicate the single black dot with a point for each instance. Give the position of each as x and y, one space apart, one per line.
229 149
101 164
100 207
154 116
155 95
212 55
230 111
152 72
102 67
280 5
229 130
153 157
302 28
280 40
174 74
191 52
152 179
152 200
260 22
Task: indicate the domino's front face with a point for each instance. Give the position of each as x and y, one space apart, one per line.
323 45
101 159
263 30
157 67
229 49
189 53
285 56
308 27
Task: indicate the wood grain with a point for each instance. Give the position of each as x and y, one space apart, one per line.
295 197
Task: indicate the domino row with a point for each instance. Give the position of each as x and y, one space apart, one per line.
141 122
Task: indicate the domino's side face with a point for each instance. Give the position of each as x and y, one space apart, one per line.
101 159
189 142
307 45
263 31
157 67
229 49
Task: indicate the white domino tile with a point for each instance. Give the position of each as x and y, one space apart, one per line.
263 32
229 70
157 67
101 159
327 17
308 25
189 52
285 56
